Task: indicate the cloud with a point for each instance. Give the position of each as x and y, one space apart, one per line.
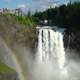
7 1
33 5
21 6
39 5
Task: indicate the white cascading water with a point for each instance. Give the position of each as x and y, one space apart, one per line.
50 46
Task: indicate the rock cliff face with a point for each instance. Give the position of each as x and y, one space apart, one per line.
15 33
72 40
16 39
7 76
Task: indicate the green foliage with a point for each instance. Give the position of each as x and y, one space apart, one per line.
5 69
67 16
25 20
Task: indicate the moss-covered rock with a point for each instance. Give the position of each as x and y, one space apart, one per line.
72 40
5 69
7 73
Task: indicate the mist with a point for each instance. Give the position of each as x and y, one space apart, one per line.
48 70
34 70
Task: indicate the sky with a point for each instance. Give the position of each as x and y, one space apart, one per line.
32 5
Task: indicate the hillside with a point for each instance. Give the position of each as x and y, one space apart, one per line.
14 30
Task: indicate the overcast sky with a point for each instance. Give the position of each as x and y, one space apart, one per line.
31 4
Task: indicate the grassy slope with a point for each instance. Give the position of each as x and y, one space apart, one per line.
5 69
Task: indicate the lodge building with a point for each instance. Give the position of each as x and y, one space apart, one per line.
17 11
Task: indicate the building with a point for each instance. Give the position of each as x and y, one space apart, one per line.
1 11
6 10
17 12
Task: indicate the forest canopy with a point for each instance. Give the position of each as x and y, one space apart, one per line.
64 15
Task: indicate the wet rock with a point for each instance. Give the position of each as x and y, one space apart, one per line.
72 40
7 76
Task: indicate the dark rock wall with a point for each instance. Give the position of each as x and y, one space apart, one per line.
72 40
7 76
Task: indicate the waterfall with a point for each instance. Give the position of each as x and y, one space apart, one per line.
50 46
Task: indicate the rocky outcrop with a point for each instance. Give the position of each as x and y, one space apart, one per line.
15 33
7 76
15 39
72 40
